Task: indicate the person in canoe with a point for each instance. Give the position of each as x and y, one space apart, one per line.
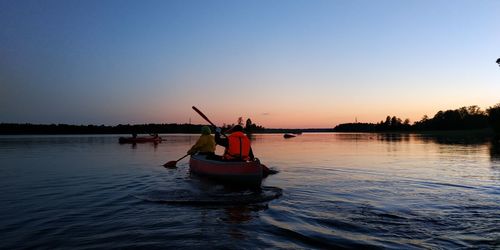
205 145
237 144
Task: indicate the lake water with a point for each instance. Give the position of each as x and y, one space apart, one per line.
398 191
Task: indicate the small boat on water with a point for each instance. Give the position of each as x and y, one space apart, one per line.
289 135
248 173
139 139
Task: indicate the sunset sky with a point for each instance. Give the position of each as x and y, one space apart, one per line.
283 63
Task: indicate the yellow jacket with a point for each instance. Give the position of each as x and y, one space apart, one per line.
205 144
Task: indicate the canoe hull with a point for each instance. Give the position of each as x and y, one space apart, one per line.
239 173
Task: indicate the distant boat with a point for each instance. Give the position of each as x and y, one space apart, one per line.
289 136
139 139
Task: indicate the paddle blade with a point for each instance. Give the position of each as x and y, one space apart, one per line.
267 171
170 164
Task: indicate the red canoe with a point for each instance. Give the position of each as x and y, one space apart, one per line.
139 139
236 172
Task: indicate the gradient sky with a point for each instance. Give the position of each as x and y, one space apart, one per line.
282 63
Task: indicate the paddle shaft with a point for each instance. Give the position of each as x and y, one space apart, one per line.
171 164
204 116
182 157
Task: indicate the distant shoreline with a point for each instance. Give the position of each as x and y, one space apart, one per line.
65 129
469 120
173 128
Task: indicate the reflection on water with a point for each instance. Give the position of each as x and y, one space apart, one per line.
456 139
350 190
495 149
393 137
495 157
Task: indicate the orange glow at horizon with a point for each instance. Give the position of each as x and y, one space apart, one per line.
300 117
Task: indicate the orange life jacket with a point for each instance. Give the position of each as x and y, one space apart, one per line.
238 148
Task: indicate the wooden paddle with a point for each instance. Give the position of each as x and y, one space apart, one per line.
171 164
204 116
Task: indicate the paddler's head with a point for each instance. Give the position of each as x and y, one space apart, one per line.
205 130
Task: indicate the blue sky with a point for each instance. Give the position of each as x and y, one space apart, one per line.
281 63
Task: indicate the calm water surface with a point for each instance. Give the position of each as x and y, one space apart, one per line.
338 190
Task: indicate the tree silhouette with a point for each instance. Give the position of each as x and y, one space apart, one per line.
494 117
248 124
471 117
387 121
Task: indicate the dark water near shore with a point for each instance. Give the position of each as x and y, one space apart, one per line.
338 190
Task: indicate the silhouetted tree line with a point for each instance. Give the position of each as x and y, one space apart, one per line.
494 117
249 126
390 124
464 118
27 128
